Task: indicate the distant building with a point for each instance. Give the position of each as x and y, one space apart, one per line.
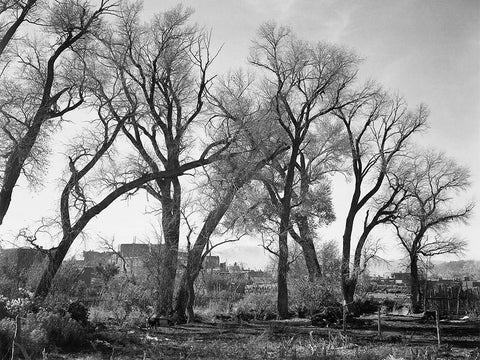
135 250
21 259
94 258
211 262
401 278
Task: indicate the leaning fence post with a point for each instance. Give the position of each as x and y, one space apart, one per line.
437 316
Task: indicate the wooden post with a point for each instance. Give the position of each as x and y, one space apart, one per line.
458 299
449 293
437 317
17 341
379 324
16 338
344 315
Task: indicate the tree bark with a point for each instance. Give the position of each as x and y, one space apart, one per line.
54 263
282 298
308 249
414 285
345 276
185 296
169 257
15 162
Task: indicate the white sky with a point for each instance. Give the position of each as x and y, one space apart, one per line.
426 50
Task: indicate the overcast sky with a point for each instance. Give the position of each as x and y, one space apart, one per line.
426 50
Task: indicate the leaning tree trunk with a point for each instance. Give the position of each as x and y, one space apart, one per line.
15 162
414 285
185 295
305 240
54 263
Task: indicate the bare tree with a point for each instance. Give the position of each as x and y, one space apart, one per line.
424 217
90 188
256 144
164 66
41 90
378 128
303 82
322 155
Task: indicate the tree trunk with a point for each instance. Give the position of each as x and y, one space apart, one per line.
185 295
282 298
181 299
349 292
169 257
308 249
15 162
54 263
191 299
414 285
345 276
9 34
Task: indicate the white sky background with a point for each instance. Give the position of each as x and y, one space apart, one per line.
426 50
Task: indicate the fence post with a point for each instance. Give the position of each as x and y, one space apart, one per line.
16 338
379 324
17 341
458 299
437 316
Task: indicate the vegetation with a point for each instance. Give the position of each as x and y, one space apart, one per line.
260 146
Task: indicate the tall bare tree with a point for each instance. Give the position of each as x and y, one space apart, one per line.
49 83
429 210
303 82
91 187
378 127
164 67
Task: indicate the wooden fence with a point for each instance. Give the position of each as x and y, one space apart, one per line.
453 300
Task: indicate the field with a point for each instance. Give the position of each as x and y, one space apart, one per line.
402 338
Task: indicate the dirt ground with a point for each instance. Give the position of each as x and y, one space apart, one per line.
402 338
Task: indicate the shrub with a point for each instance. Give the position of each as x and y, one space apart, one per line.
120 291
98 315
307 298
78 311
44 329
359 307
257 306
7 331
136 318
60 329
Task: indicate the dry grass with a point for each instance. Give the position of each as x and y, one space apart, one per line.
269 345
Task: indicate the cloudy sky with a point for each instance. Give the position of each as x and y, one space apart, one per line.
426 50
